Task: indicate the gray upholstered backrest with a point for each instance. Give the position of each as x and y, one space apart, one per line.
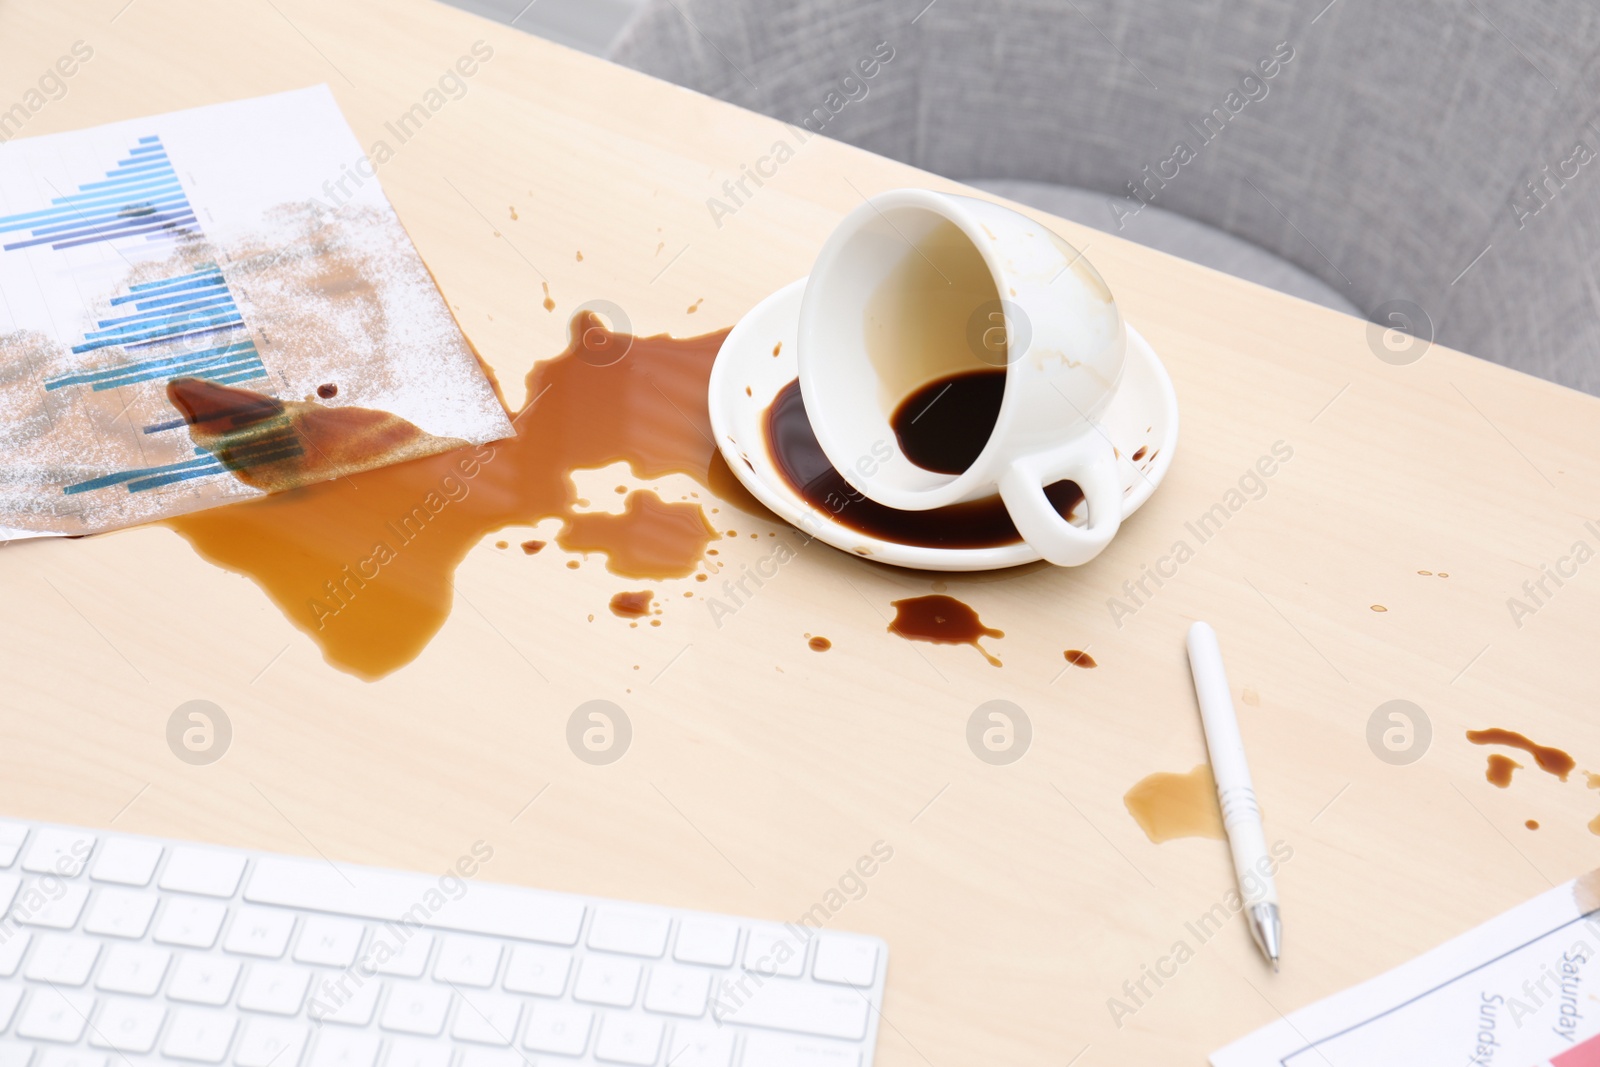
1394 143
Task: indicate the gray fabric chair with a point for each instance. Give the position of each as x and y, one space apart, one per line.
1378 157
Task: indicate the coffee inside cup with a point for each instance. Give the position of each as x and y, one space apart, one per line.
935 333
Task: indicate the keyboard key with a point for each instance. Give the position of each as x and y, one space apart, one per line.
126 862
344 1048
330 942
701 1046
128 1025
12 834
10 996
538 970
772 951
262 932
466 960
121 913
487 1018
71 1057
270 1043
204 871
15 1054
819 1011
55 1015
13 943
775 1050
630 931
606 980
846 960
678 991
134 969
190 923
199 1034
558 1028
495 910
630 1039
203 980
402 952
62 960
408 1052
492 1057
706 941
416 1008
274 988
61 852
9 885
345 999
56 906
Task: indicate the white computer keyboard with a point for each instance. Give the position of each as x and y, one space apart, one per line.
118 951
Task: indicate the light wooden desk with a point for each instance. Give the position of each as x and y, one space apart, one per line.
1019 899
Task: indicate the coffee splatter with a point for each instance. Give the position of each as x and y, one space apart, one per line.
1379 607
1550 760
1532 824
820 644
1500 770
1168 806
549 301
941 620
1079 659
632 605
327 390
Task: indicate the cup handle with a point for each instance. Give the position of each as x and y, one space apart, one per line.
1089 461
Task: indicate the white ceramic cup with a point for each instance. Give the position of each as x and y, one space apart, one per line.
914 286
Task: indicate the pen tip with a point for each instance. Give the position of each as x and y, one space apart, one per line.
1274 965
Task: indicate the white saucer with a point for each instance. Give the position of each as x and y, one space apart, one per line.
747 377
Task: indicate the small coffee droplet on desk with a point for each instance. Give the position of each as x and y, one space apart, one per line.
820 644
632 605
1079 659
1501 769
327 390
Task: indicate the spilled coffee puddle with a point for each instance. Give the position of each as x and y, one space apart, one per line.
364 565
1168 806
799 458
941 620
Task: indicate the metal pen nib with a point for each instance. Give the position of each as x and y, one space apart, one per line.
1267 929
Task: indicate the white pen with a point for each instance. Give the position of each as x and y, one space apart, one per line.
1241 816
